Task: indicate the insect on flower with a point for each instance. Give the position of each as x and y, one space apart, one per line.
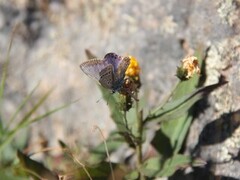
109 72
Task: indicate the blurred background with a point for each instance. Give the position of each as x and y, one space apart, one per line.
50 41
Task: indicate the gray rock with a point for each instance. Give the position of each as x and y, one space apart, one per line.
49 46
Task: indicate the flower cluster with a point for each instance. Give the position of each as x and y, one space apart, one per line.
133 69
131 83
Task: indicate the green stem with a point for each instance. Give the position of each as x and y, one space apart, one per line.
125 119
139 143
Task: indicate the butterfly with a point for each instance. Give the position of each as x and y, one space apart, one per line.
109 72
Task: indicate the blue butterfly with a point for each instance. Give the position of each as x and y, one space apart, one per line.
109 72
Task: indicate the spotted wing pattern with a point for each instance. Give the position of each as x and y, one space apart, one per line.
106 77
120 74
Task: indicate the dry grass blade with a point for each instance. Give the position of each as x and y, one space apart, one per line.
106 148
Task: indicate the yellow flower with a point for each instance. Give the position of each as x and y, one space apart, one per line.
189 67
131 83
133 69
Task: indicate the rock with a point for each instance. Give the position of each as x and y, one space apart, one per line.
49 45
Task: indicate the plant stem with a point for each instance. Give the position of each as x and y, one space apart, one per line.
125 119
139 142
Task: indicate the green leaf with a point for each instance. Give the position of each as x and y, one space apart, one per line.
158 167
152 167
113 104
126 124
179 161
21 106
176 162
24 122
35 168
177 125
176 115
8 174
7 155
132 175
21 140
27 120
176 108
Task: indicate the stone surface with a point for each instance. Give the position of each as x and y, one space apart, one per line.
49 45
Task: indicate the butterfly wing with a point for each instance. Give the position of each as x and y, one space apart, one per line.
114 59
106 77
109 72
119 63
93 68
121 69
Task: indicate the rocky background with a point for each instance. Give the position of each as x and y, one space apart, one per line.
52 35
